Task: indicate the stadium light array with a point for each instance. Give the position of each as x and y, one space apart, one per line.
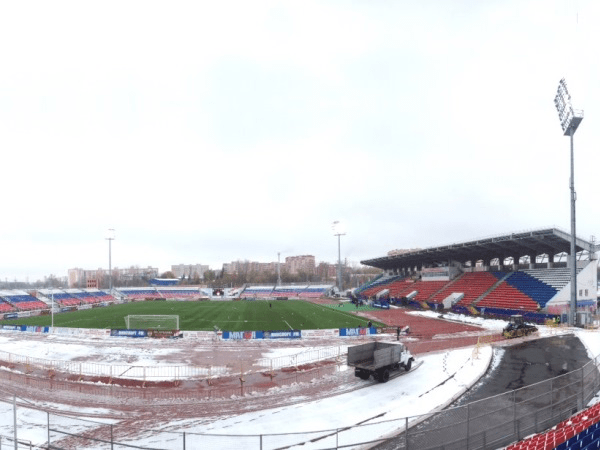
569 121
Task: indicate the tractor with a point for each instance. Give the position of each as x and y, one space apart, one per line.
517 327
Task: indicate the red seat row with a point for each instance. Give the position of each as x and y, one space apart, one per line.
562 432
508 297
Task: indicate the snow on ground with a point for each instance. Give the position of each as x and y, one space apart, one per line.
488 324
380 407
73 348
439 379
591 340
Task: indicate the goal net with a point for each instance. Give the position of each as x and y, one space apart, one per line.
152 322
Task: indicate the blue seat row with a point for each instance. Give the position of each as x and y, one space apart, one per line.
531 286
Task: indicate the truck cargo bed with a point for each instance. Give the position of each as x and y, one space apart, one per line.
373 355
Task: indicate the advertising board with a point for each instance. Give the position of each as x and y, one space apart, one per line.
129 333
360 331
283 334
243 335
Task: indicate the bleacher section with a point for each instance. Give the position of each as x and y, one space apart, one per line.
22 301
499 293
139 293
582 431
375 281
65 299
74 297
374 286
164 281
401 287
539 291
96 296
257 292
280 291
556 278
302 291
506 296
471 284
5 307
179 292
426 289
90 297
159 293
315 291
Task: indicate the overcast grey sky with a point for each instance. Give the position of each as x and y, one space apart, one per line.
206 132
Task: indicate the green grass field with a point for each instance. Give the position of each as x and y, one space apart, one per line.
228 316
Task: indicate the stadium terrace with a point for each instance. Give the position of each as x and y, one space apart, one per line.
525 273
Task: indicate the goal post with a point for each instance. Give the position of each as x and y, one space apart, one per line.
152 322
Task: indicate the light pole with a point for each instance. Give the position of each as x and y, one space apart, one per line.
339 231
52 292
569 120
278 270
110 237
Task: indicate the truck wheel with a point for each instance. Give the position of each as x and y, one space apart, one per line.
364 375
384 376
408 365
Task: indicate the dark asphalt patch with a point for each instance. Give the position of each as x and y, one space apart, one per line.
528 363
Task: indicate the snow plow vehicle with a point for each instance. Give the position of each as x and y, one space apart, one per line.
517 327
378 359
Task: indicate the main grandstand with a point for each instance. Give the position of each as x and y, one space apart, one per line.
525 272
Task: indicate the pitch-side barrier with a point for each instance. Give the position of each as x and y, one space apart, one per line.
52 367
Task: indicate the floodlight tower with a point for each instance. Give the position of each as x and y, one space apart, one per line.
110 236
338 230
278 270
569 120
52 292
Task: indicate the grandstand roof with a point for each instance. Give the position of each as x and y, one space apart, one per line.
549 241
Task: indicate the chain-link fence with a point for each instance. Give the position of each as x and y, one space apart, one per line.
485 424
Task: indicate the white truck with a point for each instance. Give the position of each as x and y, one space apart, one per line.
378 359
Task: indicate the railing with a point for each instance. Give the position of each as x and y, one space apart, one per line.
486 424
9 443
28 364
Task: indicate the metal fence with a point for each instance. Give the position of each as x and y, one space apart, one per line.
485 424
28 364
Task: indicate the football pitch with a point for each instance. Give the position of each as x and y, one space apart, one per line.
226 315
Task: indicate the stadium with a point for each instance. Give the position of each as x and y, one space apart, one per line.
265 367
206 133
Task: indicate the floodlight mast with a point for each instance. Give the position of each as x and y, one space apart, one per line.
110 237
569 120
339 232
278 270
